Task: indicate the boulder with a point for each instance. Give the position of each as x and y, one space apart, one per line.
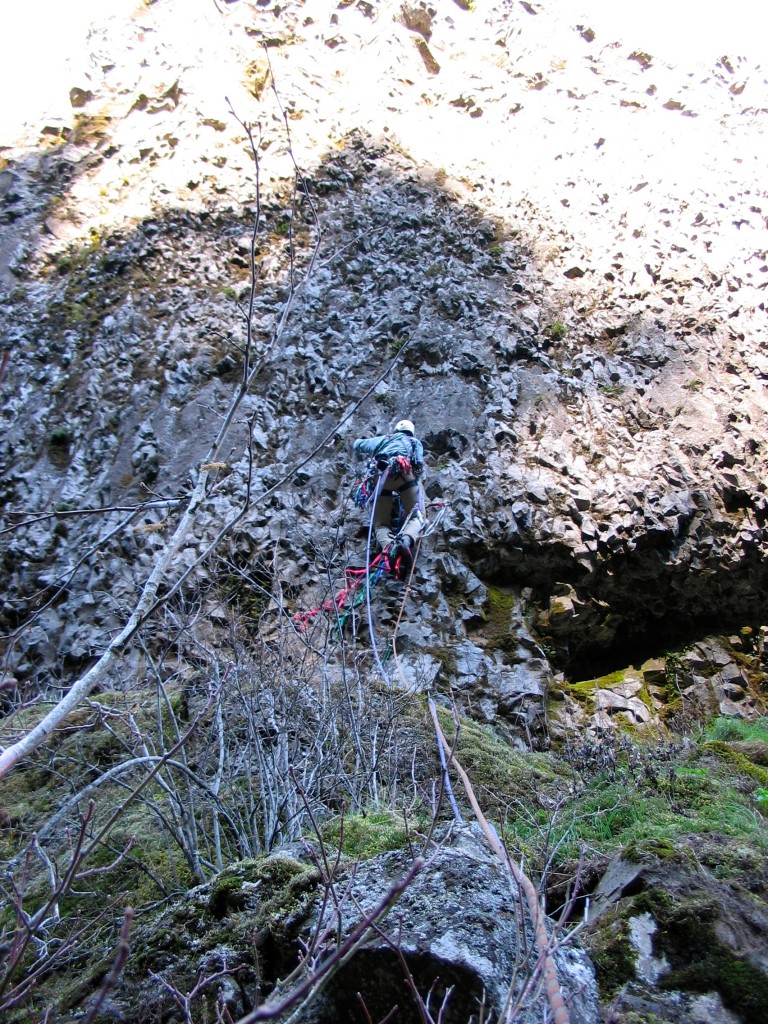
458 928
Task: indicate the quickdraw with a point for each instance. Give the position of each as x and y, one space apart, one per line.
364 489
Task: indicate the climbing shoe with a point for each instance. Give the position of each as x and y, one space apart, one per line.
401 557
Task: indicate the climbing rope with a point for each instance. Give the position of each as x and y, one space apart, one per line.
372 572
360 581
558 1009
377 491
349 597
364 490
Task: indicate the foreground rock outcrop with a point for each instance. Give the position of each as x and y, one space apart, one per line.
462 941
665 925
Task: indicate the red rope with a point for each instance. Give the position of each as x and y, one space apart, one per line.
336 603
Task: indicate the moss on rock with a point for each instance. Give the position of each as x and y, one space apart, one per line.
700 961
363 836
612 953
499 772
498 615
738 759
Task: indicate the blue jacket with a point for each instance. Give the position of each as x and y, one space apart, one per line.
388 446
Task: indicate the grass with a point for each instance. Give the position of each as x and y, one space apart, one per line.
637 811
556 330
363 836
729 730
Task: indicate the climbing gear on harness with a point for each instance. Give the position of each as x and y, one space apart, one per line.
405 426
396 467
400 466
363 489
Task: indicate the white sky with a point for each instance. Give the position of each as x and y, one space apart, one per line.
43 44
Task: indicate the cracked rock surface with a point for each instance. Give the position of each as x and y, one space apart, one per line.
548 224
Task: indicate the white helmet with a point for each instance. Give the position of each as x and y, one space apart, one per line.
405 426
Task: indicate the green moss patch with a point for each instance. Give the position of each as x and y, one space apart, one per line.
729 730
499 773
584 690
701 962
612 953
363 836
738 759
498 616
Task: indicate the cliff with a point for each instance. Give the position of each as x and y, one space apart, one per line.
235 237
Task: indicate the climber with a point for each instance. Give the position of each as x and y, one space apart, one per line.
401 456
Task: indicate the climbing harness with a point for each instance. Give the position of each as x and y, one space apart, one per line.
363 489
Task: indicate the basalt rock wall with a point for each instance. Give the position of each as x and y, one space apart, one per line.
616 478
476 218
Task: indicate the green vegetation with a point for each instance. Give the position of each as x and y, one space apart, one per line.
700 960
285 887
613 954
585 689
378 830
445 656
90 129
644 804
556 331
386 398
255 77
499 629
738 729
61 437
500 774
738 760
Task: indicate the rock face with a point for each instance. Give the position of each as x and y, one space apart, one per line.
525 508
458 928
487 236
593 441
716 676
